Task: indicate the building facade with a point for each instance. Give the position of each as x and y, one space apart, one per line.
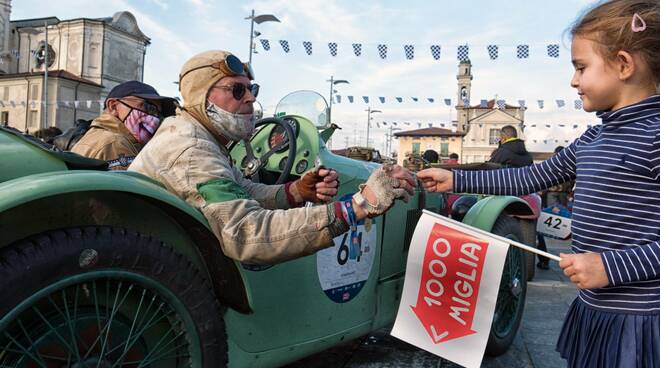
85 59
443 141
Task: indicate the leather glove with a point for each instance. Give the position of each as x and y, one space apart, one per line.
317 186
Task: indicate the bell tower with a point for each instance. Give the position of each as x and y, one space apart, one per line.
464 78
5 12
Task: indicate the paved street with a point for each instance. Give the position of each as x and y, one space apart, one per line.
548 298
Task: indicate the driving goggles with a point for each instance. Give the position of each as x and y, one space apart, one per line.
230 66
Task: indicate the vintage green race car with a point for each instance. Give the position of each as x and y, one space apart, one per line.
109 269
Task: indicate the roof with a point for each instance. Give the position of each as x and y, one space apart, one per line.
52 74
491 104
428 132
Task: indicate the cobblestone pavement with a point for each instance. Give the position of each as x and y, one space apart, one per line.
548 297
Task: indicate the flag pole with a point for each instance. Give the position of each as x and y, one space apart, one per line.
500 238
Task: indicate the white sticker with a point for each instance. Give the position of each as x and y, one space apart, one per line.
344 269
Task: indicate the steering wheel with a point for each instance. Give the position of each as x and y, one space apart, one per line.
254 164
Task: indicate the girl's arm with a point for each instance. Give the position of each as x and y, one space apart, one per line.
632 265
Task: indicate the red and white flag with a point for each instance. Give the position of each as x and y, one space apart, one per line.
452 278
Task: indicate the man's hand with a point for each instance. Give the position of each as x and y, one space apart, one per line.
437 180
586 270
386 184
317 186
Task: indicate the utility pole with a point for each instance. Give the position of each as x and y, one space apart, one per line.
369 112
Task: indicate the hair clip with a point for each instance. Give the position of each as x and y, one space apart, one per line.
637 27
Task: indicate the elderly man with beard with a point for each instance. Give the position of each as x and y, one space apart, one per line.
255 223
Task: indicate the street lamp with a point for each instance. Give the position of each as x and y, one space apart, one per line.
258 19
333 82
389 140
34 31
369 112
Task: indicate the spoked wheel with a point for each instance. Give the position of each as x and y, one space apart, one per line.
512 290
144 307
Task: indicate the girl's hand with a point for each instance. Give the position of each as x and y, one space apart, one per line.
586 270
436 180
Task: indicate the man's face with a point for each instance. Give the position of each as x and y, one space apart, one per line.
121 107
222 96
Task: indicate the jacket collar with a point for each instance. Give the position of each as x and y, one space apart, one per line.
637 111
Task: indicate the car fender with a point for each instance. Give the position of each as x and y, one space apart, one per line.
484 213
41 202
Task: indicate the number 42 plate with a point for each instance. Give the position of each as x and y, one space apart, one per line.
554 222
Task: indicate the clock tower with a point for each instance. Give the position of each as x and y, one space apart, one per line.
464 78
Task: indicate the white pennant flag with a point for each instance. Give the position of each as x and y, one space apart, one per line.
89 104
76 103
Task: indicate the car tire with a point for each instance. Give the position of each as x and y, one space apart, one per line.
102 295
528 232
512 291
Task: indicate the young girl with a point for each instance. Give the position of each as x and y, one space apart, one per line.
615 320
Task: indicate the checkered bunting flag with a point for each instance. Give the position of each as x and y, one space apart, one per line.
430 99
410 51
483 104
308 47
578 105
265 44
285 46
463 53
350 99
553 50
366 99
541 104
521 103
493 52
430 125
466 102
415 99
382 51
333 48
400 99
357 49
560 103
501 104
448 101
338 98
435 51
382 99
575 126
522 51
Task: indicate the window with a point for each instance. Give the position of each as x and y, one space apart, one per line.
415 148
494 136
4 118
444 149
5 94
34 120
35 92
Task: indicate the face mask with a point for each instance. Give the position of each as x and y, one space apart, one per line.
235 127
141 125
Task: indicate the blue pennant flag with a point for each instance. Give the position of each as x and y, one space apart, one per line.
350 99
308 47
400 99
265 44
540 102
575 126
553 50
430 99
382 99
483 104
333 48
448 101
430 125
415 99
338 97
561 103
394 123
384 123
366 99
285 46
493 52
521 103
463 53
435 51
357 49
522 51
410 51
382 51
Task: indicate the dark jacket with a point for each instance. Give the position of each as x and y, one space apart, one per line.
512 154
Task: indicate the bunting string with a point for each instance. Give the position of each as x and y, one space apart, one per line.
483 103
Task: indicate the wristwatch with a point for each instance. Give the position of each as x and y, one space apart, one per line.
362 202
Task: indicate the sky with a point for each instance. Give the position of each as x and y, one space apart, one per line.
181 28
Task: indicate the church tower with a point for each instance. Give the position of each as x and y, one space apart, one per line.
464 78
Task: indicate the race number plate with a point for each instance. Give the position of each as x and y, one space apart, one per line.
554 222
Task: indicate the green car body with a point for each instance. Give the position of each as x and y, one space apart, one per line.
274 314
